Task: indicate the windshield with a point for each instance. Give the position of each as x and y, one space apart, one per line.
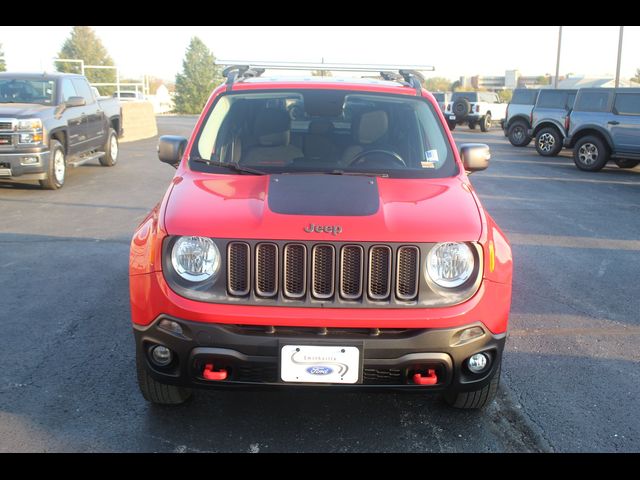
324 131
27 90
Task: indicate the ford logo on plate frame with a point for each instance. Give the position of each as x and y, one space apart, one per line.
319 370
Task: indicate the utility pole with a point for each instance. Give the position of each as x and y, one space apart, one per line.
555 79
619 57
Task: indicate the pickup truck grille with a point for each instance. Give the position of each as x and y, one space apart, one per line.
322 272
4 126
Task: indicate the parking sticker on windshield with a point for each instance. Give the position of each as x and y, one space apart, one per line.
427 165
432 156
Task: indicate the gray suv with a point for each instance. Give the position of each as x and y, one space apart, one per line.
549 120
605 124
518 118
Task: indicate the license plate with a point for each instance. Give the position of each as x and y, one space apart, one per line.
5 172
452 117
315 364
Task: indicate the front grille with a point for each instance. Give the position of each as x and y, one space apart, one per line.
238 280
379 272
407 273
266 269
6 126
6 140
342 273
323 265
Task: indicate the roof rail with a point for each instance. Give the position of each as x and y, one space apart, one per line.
237 70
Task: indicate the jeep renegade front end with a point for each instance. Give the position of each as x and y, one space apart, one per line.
320 233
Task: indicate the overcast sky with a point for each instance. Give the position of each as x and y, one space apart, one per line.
454 51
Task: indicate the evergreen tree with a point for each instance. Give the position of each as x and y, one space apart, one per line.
84 44
198 78
3 64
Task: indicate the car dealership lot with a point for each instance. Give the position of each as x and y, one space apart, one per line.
570 378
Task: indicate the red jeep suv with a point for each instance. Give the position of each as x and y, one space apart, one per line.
320 232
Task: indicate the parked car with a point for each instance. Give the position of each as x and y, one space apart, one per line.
442 98
49 122
129 96
549 120
517 120
605 124
476 108
348 249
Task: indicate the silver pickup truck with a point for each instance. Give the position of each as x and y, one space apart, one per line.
49 122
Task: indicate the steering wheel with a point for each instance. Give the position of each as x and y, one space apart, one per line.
392 155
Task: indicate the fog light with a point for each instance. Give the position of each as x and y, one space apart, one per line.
161 355
29 160
171 326
478 362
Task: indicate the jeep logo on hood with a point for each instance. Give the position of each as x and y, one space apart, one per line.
333 229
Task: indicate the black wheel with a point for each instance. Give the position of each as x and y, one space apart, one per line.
111 150
590 154
548 142
517 134
485 122
452 125
626 162
156 392
461 108
57 168
476 398
472 125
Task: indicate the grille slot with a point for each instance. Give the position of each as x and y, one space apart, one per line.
407 273
323 270
379 285
351 270
295 270
238 279
266 269
6 126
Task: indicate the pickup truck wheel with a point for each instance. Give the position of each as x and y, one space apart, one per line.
156 392
57 169
110 150
548 142
476 398
472 125
485 123
626 162
590 154
517 134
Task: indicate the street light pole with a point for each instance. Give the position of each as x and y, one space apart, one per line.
619 57
555 79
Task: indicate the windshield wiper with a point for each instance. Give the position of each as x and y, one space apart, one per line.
229 166
339 172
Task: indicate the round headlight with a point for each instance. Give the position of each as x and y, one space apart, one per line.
450 264
195 258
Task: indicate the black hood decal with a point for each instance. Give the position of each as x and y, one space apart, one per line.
326 195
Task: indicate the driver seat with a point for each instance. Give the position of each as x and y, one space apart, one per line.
368 129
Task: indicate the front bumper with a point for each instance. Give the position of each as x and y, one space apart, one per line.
13 166
250 354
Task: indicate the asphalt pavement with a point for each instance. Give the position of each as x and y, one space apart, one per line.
571 372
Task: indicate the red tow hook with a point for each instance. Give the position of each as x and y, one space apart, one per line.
430 379
210 374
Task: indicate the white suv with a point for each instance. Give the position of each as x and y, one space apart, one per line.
475 108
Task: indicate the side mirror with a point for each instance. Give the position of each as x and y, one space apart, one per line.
75 102
171 149
475 156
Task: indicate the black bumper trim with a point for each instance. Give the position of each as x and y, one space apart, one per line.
388 361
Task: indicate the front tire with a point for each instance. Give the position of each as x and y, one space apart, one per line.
57 168
475 399
517 134
156 392
626 162
590 154
548 142
111 150
485 123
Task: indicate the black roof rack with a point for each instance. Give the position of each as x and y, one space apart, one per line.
236 71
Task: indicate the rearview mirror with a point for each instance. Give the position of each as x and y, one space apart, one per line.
75 102
171 149
475 156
